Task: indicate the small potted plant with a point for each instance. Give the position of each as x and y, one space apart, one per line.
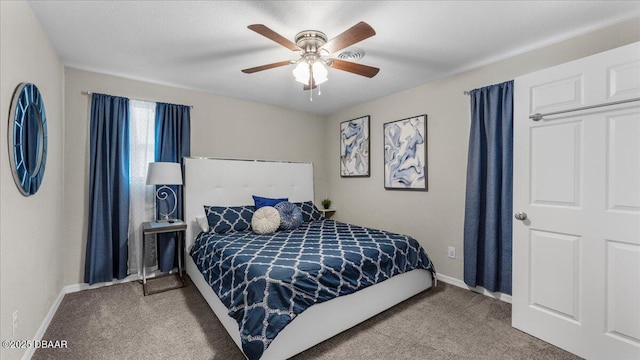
326 203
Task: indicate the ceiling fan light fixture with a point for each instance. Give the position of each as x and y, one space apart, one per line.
303 71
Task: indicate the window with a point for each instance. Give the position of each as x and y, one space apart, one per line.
142 200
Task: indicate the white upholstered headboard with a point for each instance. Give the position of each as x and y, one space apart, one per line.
223 182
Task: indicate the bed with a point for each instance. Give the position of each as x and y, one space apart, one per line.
232 183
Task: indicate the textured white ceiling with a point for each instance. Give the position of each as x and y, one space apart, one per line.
203 45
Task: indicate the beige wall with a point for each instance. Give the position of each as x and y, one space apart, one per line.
436 217
220 127
31 246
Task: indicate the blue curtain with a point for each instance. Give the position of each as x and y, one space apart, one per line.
173 141
107 237
489 198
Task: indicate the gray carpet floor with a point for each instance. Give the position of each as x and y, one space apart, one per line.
117 322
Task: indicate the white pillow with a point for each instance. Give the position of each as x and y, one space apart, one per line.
266 220
204 224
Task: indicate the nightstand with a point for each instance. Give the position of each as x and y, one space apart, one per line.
327 213
162 227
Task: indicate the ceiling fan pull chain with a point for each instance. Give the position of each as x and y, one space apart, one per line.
310 83
319 91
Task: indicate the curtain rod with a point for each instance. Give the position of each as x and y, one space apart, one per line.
466 92
89 93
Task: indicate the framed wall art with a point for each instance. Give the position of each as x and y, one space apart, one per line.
354 148
405 154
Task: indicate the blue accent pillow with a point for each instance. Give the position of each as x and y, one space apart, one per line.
290 215
263 201
309 211
224 219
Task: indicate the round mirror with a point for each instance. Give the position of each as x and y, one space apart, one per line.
27 138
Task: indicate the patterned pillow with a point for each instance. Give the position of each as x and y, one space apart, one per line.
266 220
290 215
223 219
260 201
309 211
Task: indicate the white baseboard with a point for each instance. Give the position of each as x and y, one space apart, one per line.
84 286
45 324
478 289
134 277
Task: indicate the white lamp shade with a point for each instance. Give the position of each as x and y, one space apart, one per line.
319 73
164 173
301 72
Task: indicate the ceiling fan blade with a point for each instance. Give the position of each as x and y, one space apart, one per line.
355 34
266 67
359 69
270 34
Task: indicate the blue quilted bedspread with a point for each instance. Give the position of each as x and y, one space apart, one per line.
267 280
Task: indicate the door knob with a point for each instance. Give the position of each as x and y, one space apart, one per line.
521 216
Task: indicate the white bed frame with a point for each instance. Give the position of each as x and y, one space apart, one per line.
224 182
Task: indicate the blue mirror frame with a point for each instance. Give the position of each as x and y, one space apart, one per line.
27 138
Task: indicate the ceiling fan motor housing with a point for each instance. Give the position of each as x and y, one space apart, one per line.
310 41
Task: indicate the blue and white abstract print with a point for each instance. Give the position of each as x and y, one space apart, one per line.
354 147
405 154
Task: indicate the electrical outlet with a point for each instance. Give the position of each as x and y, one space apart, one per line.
15 322
452 252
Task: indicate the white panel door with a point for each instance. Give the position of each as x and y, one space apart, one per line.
576 253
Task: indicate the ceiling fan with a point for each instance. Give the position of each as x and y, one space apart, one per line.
311 69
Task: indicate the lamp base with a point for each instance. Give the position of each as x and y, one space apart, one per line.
162 194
